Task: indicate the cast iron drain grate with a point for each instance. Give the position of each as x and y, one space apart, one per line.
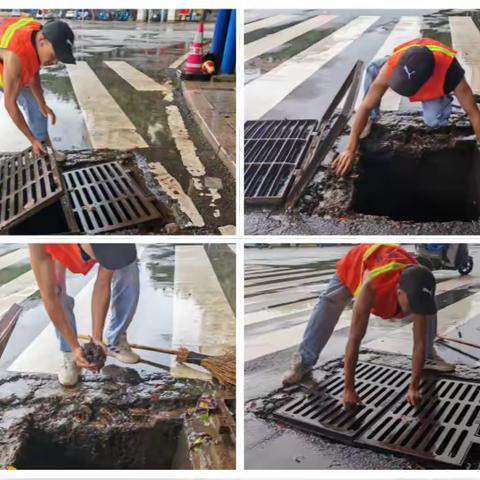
106 197
27 184
274 149
443 428
321 410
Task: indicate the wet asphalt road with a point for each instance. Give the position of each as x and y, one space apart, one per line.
276 313
311 98
151 49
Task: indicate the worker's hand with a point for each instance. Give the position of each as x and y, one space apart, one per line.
414 396
343 163
82 362
39 150
48 112
350 398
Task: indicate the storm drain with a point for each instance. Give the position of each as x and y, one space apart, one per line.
106 197
438 186
27 184
274 149
321 410
443 429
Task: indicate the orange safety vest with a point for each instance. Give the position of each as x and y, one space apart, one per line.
16 36
385 264
69 255
434 87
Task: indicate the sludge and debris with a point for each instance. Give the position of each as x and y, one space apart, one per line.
408 179
118 420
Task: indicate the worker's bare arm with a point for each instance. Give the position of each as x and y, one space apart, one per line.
360 315
12 80
37 91
100 302
44 271
343 163
467 100
418 357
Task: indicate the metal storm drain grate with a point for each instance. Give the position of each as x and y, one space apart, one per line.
274 149
26 185
442 428
321 410
106 197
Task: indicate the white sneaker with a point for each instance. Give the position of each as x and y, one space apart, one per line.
122 351
69 373
58 156
437 363
367 130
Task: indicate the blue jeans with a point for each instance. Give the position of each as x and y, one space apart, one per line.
123 302
36 121
436 113
325 316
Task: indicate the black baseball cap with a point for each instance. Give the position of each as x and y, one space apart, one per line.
114 256
61 36
419 284
413 69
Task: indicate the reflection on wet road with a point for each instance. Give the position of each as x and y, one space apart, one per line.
182 303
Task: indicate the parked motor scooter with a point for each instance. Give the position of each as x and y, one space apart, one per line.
445 256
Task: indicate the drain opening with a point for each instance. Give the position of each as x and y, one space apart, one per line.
49 220
438 186
69 448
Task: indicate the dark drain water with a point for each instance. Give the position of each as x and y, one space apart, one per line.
105 448
437 186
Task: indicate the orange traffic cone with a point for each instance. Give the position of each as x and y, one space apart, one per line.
193 65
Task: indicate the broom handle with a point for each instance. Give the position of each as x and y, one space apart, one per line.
169 351
457 340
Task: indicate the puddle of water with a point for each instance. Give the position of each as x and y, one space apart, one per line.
155 308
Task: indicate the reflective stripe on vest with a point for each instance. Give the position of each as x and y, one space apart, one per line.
433 48
379 270
9 32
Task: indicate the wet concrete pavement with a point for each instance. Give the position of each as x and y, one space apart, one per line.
281 288
193 308
309 94
120 114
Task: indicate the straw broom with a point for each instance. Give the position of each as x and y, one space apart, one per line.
222 367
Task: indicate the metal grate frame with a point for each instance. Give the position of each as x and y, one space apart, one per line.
106 197
27 184
441 430
274 150
321 410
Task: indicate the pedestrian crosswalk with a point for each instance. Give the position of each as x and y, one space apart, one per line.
279 301
276 91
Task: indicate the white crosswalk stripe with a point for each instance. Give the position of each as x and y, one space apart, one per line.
107 124
465 39
267 22
274 40
263 93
